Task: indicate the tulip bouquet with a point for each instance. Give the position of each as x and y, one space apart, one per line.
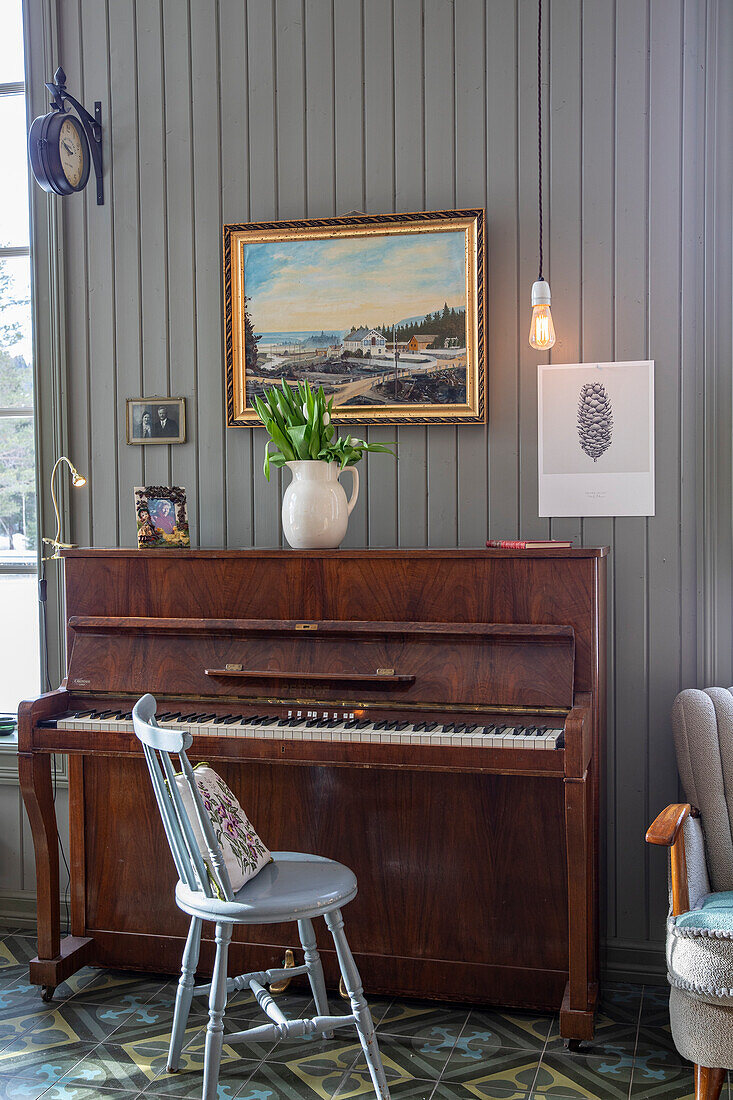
298 421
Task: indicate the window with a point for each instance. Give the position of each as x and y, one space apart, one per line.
19 648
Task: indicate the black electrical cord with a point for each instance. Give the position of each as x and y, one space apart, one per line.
539 124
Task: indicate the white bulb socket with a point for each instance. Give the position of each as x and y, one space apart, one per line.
541 293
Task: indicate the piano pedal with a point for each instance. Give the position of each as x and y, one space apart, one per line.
281 986
47 992
342 990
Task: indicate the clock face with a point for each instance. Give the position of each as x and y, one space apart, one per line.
71 152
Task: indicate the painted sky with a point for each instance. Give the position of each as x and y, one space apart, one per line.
334 284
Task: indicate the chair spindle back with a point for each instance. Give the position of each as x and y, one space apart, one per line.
158 744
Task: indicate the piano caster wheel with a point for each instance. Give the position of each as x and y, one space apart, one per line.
573 1045
47 992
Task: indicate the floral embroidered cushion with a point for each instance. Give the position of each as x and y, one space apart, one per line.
243 851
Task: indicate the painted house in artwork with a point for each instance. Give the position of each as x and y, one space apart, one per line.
420 343
365 339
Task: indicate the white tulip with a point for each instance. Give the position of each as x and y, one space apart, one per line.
326 419
305 411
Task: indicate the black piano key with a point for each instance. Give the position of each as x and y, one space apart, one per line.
283 722
471 729
313 722
390 725
105 714
165 716
221 720
399 726
430 726
459 727
362 725
419 727
351 724
380 725
48 723
232 718
295 722
499 729
80 714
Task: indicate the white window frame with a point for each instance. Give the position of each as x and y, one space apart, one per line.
10 252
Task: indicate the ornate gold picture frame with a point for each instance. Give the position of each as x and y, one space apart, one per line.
385 311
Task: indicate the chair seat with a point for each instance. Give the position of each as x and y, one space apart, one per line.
700 948
295 886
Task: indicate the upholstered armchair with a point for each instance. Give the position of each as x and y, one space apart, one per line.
699 834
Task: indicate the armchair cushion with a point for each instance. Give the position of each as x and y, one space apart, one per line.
700 949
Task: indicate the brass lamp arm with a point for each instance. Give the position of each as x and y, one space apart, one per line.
78 481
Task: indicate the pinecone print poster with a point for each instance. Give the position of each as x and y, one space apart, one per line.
596 439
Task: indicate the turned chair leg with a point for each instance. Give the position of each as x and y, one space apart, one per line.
315 969
217 1004
184 994
364 1022
708 1082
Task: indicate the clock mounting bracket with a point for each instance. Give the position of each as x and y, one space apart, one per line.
92 123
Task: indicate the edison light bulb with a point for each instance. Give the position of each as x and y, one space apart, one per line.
541 329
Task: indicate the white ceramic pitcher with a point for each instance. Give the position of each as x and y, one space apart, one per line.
315 510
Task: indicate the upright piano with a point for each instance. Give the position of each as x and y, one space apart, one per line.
432 718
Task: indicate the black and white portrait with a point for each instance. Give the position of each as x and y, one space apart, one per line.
156 420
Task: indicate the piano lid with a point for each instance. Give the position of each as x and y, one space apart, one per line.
405 664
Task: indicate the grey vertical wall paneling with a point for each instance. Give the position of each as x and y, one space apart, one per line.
348 44
263 204
380 470
100 270
440 189
291 148
505 303
597 265
180 249
665 287
470 157
531 526
319 110
235 201
207 220
566 221
123 193
72 214
152 141
692 263
630 545
409 176
718 658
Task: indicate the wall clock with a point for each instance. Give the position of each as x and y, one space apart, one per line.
63 148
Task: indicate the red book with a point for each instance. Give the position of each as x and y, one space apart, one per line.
528 544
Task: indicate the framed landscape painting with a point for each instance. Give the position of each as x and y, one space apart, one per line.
386 312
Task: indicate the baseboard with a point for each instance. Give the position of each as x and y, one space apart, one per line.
640 962
18 909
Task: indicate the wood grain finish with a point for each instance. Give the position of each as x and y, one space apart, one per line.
426 825
708 1082
667 830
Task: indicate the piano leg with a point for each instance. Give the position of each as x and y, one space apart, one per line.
56 958
578 1006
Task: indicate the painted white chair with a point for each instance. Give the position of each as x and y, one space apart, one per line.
294 887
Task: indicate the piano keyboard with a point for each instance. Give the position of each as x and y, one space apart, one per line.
313 726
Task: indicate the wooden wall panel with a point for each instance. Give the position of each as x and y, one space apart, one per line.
309 107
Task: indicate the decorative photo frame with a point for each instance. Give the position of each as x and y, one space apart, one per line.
386 312
156 420
162 517
596 439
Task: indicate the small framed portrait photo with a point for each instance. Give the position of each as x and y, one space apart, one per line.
162 518
156 420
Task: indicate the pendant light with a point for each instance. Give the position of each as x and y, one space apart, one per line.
541 329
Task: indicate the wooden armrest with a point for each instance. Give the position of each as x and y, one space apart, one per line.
666 830
666 826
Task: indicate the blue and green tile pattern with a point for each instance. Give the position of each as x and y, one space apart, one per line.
105 1037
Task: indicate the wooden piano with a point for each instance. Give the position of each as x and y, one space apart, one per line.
432 718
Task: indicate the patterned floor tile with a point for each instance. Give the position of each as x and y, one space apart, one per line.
655 1006
79 1021
15 954
657 1082
590 1077
509 1073
316 1076
112 1067
44 1065
409 1017
620 1002
109 985
409 1056
75 1091
453 1091
398 1090
486 1033
610 1035
20 1088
